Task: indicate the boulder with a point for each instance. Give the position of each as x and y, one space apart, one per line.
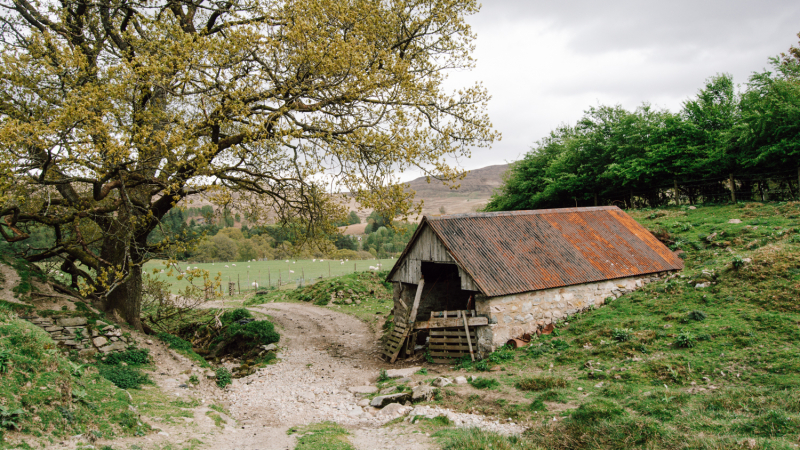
402 373
72 321
100 324
363 390
383 400
393 410
99 341
52 329
735 221
461 380
113 347
389 390
270 347
441 382
422 393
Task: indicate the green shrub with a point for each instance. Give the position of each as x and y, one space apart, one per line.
235 315
9 417
484 383
698 316
223 377
194 380
596 411
123 377
541 383
133 356
175 342
5 357
260 332
622 334
382 376
685 340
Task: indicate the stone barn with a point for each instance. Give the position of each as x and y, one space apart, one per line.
486 278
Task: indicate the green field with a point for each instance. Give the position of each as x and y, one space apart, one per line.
267 273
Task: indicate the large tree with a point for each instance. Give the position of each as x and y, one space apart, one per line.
113 111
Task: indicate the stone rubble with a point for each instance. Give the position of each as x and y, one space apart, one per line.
76 333
304 387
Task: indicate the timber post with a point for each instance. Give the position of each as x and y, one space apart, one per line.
733 189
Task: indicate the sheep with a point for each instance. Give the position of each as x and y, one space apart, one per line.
226 266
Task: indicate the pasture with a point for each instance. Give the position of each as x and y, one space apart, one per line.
266 273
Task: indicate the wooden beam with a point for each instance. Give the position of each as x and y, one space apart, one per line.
451 322
469 341
413 316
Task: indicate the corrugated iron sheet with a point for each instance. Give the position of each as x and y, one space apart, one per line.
520 251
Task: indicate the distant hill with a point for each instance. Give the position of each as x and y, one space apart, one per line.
474 193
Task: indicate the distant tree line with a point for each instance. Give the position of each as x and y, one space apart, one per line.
723 144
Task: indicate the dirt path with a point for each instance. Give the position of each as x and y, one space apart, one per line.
324 353
8 280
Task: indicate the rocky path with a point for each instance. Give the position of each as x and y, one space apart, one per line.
324 353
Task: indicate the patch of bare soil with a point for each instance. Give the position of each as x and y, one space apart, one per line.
9 279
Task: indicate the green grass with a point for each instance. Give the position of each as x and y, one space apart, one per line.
668 366
267 273
370 295
321 436
477 439
219 422
58 397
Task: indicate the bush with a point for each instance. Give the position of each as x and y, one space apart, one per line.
123 377
133 356
596 411
697 315
223 377
260 332
685 340
541 383
175 342
235 315
622 334
484 383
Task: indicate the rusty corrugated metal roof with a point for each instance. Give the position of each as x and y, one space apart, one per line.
520 251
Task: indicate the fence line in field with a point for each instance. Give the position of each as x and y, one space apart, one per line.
236 288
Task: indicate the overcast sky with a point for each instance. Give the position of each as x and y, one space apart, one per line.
545 62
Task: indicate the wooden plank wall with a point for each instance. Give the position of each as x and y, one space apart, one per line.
429 248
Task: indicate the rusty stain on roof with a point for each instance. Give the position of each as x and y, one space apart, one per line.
519 251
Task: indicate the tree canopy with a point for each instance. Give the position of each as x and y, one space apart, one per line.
114 111
616 156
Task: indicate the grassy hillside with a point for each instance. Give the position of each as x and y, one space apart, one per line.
676 364
45 397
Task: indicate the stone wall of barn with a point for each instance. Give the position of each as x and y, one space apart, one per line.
511 316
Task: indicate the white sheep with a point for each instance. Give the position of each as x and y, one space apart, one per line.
234 265
226 265
291 271
255 284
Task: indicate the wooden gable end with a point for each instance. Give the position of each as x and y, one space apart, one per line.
427 247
